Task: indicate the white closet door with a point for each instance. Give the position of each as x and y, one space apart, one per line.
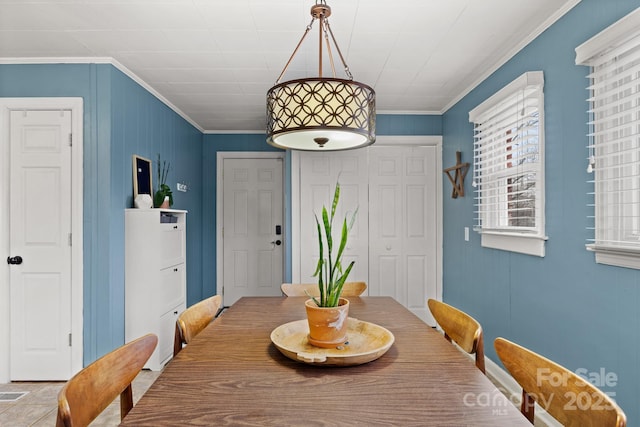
397 239
403 225
319 173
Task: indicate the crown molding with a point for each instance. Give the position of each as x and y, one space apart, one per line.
104 60
511 53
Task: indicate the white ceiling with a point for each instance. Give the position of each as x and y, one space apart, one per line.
214 60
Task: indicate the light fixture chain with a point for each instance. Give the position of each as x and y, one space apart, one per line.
326 38
344 63
306 31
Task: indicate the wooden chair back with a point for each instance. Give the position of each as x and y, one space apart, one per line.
194 319
92 389
460 328
349 289
569 398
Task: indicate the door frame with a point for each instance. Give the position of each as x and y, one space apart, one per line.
75 105
220 157
387 140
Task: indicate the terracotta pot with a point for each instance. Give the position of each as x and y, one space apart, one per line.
165 203
327 325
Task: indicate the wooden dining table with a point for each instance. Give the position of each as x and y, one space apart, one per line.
232 374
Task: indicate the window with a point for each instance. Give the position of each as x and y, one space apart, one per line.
508 166
614 140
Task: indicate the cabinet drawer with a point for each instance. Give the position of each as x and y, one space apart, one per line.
172 287
166 333
172 244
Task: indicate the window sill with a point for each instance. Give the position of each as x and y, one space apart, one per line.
617 257
514 242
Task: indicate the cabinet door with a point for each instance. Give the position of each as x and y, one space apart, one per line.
172 287
172 244
166 332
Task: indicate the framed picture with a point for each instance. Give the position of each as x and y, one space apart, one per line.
142 177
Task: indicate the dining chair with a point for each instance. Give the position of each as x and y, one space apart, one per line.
92 389
193 320
349 289
567 397
460 328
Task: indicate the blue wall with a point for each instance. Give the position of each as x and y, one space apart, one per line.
142 125
213 143
120 119
564 306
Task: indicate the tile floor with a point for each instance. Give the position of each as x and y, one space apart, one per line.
38 407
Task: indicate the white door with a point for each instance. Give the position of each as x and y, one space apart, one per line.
252 228
396 184
403 226
318 177
40 233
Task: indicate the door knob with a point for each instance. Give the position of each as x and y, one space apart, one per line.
277 242
14 260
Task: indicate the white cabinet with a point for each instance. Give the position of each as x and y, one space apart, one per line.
155 277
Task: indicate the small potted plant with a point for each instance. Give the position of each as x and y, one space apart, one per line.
163 198
327 314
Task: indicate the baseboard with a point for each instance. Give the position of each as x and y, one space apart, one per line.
510 388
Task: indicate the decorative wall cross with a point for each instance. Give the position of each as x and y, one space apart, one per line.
457 180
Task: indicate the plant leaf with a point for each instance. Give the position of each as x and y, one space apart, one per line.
329 272
336 198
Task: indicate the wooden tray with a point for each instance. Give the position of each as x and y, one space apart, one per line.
366 342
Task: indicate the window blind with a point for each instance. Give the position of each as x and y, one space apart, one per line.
508 156
614 147
613 56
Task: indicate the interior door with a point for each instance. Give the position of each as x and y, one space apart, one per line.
40 245
318 177
403 226
397 189
253 228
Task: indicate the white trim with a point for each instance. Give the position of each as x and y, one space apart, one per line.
104 60
513 242
510 239
417 140
57 60
236 132
512 390
77 203
220 156
513 52
599 52
614 35
531 78
409 112
295 217
386 140
617 259
616 256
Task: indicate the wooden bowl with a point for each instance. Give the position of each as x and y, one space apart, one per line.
366 342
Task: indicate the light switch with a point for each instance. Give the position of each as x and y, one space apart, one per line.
466 234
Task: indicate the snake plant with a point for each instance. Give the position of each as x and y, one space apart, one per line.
331 276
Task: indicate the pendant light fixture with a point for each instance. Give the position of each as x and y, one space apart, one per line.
321 113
